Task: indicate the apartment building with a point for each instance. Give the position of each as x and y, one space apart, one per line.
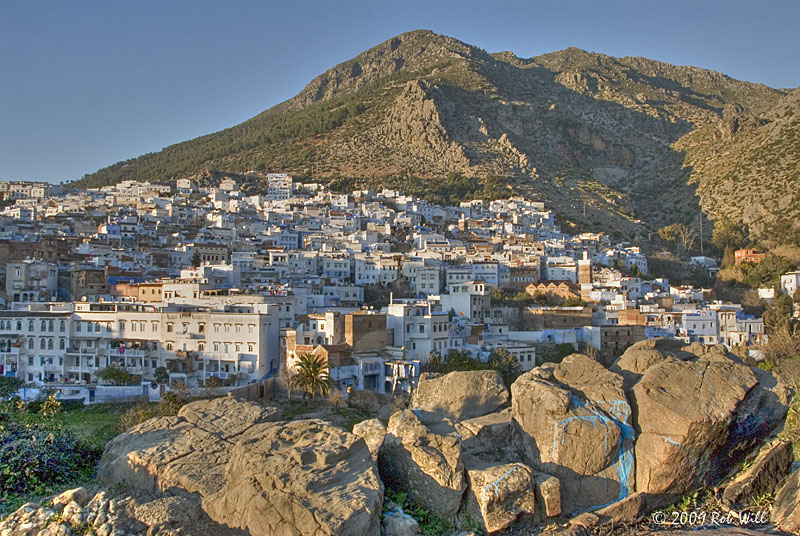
70 343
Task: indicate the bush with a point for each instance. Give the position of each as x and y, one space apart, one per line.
170 405
563 350
35 456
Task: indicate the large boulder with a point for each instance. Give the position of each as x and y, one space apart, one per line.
460 395
187 452
499 493
572 420
301 477
488 437
429 466
698 418
640 356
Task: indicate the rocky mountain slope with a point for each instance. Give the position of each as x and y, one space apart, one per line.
627 143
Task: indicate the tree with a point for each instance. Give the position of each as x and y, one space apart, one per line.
161 375
115 375
9 386
540 298
312 376
728 234
196 258
780 312
563 350
213 383
497 296
506 364
679 234
573 301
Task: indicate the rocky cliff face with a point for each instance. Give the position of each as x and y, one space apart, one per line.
641 142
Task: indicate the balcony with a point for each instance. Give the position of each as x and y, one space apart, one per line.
135 354
82 352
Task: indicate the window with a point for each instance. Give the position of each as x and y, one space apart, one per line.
43 326
238 328
185 327
169 327
30 325
154 326
42 344
62 344
19 325
62 326
250 347
169 346
50 325
216 328
49 344
201 328
201 346
238 347
216 347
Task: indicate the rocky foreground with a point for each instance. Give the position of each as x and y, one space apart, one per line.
573 445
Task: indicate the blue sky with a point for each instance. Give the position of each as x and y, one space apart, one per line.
87 83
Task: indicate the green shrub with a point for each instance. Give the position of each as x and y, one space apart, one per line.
36 455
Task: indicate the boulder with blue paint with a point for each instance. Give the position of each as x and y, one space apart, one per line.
572 420
697 419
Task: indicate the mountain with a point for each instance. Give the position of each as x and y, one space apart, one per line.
623 144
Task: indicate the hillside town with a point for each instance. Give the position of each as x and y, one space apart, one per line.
205 281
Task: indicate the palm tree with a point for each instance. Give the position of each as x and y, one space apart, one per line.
311 375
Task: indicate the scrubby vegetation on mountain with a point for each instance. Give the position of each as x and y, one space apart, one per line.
629 145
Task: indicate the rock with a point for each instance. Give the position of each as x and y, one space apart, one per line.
770 468
640 356
548 495
372 430
487 437
398 523
226 417
300 477
786 508
499 493
572 420
303 477
429 466
174 510
627 510
460 395
187 452
79 495
695 416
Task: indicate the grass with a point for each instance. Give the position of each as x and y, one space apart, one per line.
97 422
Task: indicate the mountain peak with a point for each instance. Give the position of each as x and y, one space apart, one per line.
619 136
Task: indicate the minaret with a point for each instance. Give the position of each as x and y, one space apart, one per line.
585 270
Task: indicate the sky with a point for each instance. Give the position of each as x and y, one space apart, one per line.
87 83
